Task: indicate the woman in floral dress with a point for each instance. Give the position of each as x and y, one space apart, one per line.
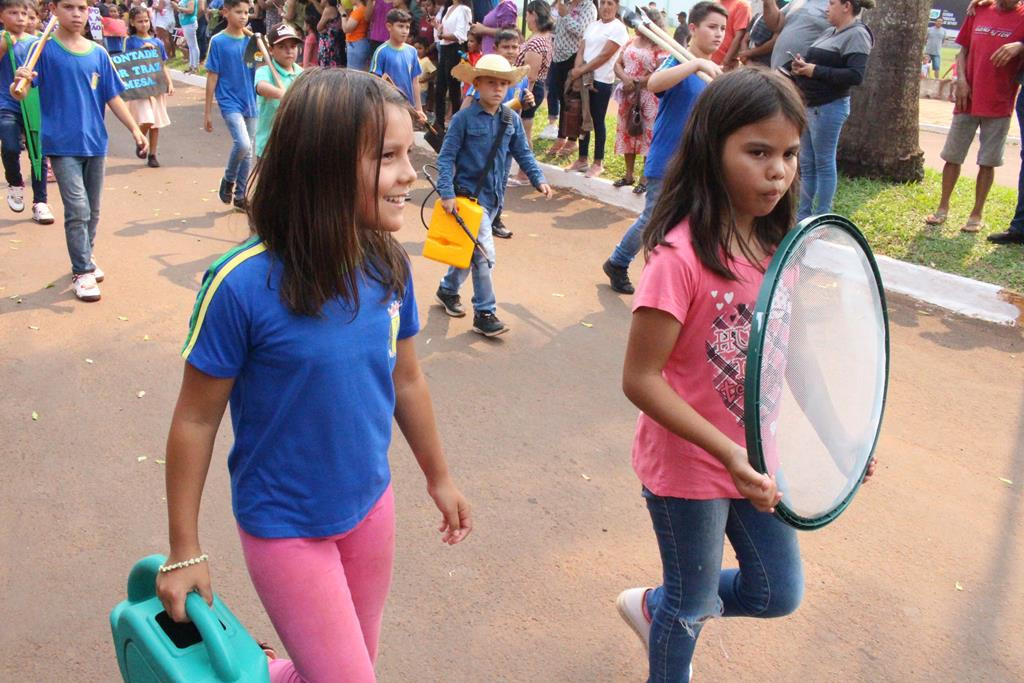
637 61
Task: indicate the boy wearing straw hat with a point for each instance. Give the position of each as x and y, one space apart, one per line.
472 162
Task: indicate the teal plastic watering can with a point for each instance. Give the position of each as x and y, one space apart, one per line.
214 648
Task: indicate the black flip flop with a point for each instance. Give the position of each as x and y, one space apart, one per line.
622 182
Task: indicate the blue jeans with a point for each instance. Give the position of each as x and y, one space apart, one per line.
358 54
240 158
484 300
1017 224
768 583
818 177
633 240
12 127
80 180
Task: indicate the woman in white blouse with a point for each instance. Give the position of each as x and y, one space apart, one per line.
599 48
451 28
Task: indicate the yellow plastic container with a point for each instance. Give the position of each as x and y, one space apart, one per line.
446 241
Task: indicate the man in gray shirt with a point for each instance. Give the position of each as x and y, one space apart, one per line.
933 46
801 22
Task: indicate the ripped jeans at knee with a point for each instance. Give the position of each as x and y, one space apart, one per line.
695 588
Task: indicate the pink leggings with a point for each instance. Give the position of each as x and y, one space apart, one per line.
325 596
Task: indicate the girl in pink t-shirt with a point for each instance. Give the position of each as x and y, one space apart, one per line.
729 199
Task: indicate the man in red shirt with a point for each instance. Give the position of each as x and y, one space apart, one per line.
989 63
735 33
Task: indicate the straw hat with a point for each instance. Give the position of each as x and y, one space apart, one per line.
492 65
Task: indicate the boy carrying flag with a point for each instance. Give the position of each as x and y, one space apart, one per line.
20 118
474 155
76 82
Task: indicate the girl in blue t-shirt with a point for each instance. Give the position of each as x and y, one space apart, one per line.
307 330
149 112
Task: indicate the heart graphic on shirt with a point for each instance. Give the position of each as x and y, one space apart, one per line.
719 305
728 297
714 293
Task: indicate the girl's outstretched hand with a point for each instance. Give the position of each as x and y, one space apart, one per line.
456 522
173 587
759 489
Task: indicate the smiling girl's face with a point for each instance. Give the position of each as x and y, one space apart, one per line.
394 179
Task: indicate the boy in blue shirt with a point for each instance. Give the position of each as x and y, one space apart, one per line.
14 48
76 81
464 164
399 60
677 86
233 83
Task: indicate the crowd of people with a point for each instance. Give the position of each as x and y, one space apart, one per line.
318 308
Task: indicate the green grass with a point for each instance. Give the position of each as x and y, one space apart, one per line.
948 58
180 63
892 217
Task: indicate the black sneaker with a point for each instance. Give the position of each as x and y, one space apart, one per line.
452 304
152 161
488 325
618 277
226 190
241 204
1008 237
498 229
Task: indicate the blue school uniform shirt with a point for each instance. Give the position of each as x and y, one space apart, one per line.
313 398
74 88
20 51
464 151
514 92
401 65
236 91
137 43
674 109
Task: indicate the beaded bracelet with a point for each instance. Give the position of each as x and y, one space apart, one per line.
184 563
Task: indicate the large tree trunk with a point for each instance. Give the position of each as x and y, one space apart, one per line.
880 139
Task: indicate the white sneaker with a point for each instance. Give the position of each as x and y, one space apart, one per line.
98 273
85 287
16 198
550 133
630 604
41 214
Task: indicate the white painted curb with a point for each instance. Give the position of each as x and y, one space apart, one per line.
953 292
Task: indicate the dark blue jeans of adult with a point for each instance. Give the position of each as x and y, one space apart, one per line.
1017 224
768 583
11 130
818 175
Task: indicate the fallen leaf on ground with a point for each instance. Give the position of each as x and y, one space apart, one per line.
184 221
959 586
585 324
1006 481
14 241
558 294
140 394
33 327
35 416
140 458
90 361
532 234
122 317
145 337
51 285
585 477
159 462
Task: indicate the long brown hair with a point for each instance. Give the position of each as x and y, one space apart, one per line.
694 183
327 122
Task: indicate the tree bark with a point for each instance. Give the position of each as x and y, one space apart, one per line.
880 139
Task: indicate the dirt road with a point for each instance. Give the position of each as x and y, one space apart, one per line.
920 580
